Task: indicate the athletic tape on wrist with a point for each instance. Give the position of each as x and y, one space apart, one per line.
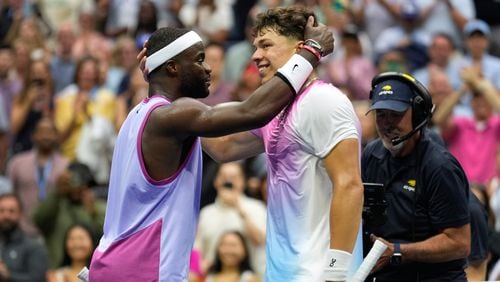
295 72
171 50
337 265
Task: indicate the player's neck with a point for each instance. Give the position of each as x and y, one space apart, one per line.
154 90
310 80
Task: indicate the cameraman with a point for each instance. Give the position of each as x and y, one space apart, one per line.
426 225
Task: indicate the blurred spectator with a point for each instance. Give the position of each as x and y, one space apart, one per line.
22 58
238 55
352 72
58 12
122 17
11 14
367 121
335 12
487 10
232 210
33 173
147 19
264 5
22 258
232 260
472 140
240 10
439 86
477 40
79 244
477 260
62 63
405 37
444 57
446 16
85 116
393 60
89 41
374 16
440 90
10 81
4 138
32 37
256 172
247 83
220 90
33 103
212 19
123 63
135 93
5 185
170 17
73 201
493 192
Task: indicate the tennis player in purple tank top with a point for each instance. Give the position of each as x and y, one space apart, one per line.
155 182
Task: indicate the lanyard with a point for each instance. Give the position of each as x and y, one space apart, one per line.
42 175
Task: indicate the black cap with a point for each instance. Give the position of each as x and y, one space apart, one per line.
392 94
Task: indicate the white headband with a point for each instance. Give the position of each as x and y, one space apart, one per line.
171 50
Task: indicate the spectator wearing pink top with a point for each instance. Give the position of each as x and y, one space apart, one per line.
473 141
352 72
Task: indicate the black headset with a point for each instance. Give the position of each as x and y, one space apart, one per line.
421 103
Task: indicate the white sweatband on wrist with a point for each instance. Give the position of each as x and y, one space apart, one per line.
171 50
337 265
295 72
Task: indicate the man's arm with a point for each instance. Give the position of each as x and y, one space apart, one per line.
443 115
452 243
233 147
342 165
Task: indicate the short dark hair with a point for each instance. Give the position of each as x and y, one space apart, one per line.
81 174
161 38
286 21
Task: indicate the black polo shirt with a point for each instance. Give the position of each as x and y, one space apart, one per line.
426 191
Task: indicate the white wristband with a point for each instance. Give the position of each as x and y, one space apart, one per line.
296 71
337 265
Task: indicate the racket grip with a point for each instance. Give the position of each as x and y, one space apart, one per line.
367 265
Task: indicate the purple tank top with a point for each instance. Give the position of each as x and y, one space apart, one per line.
150 225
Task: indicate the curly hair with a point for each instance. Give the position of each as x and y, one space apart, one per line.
285 21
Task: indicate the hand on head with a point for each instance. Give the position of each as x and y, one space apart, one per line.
142 60
320 33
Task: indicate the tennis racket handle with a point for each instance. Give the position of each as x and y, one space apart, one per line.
369 262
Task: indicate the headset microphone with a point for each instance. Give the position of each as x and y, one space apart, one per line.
397 140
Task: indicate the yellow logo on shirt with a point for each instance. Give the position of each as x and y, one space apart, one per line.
411 185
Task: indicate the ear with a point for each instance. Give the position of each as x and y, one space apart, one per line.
171 68
299 46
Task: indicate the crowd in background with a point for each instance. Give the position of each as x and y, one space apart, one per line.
69 75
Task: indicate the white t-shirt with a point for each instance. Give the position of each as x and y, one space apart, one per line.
299 188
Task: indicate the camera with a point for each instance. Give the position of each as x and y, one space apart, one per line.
375 205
